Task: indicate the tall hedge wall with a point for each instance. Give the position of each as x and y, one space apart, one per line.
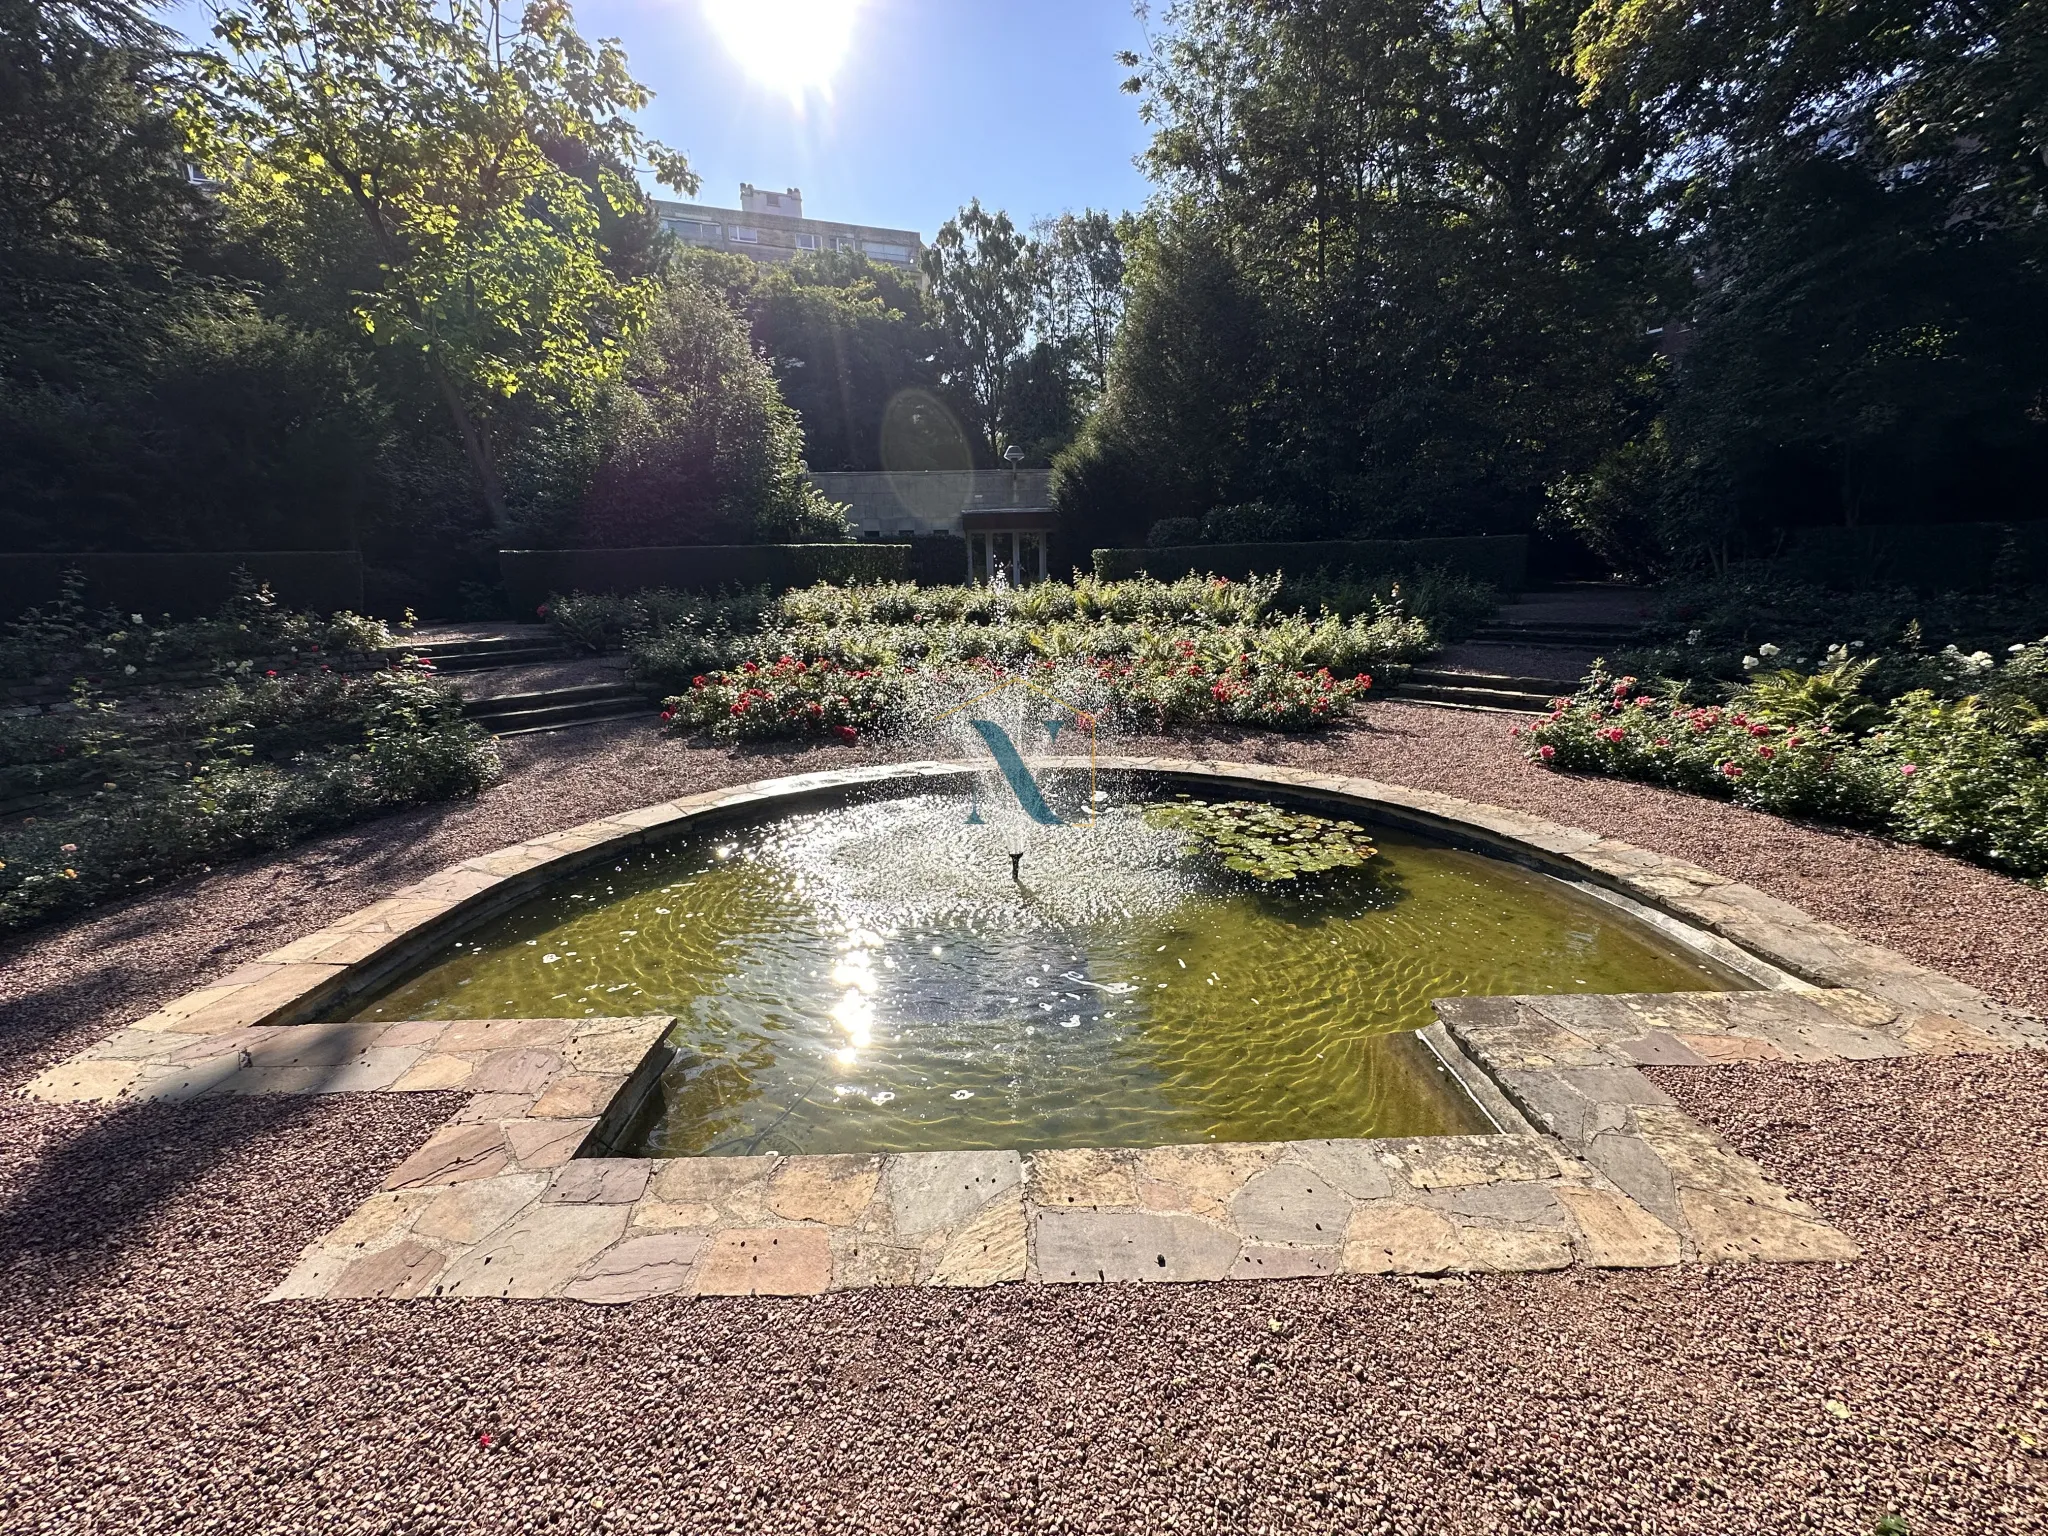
531 575
1502 559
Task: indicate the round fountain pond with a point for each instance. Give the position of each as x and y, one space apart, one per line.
869 977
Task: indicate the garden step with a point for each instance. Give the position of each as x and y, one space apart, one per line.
475 655
1470 696
513 712
1561 636
524 727
1548 687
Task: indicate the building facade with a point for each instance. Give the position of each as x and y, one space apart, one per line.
770 226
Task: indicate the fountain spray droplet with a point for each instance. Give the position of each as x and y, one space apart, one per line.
1017 867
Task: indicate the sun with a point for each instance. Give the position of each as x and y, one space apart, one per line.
794 46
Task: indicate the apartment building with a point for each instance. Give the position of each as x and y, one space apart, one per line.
770 226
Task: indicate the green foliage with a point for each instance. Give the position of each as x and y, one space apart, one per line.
184 744
1264 841
1354 298
602 622
1163 655
1831 697
1080 294
788 698
979 270
1861 191
1182 402
845 337
1251 522
145 400
1706 629
701 448
1448 603
1966 775
410 143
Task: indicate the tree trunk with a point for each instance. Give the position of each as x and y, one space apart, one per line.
474 448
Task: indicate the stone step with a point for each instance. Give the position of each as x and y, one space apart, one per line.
1555 636
477 655
1476 698
1445 677
512 713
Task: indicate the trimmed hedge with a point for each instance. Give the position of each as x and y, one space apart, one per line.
185 586
1501 560
531 576
1930 557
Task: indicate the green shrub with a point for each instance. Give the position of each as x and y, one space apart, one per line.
1160 654
1966 775
1251 522
184 744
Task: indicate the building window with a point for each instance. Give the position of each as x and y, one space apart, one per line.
899 255
805 241
692 229
845 243
744 235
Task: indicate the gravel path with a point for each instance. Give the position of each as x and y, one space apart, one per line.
140 1390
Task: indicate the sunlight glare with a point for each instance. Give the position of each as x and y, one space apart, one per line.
795 46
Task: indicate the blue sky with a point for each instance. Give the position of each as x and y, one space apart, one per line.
935 101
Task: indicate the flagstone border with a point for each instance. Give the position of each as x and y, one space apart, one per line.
519 1196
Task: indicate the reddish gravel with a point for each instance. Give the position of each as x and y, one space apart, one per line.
141 1390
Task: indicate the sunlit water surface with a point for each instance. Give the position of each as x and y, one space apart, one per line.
869 978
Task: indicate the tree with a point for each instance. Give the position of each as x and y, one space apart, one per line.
701 447
844 336
147 399
1448 241
1859 199
1081 291
439 133
983 278
1175 431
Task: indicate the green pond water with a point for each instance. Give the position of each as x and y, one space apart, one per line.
869 978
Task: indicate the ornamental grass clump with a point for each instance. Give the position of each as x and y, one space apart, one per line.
1968 776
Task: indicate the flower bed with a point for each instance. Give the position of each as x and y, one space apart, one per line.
792 697
1967 775
182 744
1154 655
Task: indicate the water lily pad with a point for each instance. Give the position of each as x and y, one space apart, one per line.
1263 841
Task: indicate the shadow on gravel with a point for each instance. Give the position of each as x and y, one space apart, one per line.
91 1200
100 999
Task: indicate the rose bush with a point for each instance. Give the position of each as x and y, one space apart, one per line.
1968 776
